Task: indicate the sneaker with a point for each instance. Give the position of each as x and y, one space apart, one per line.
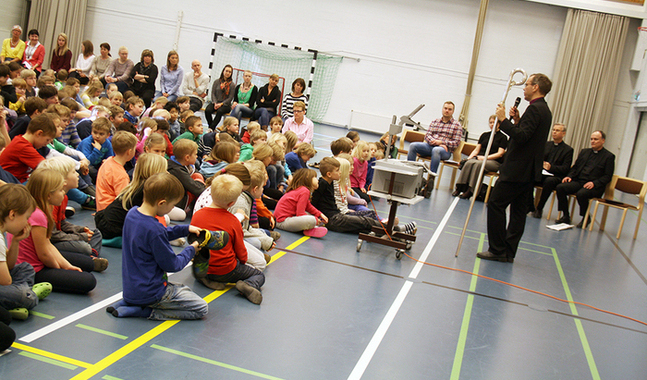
268 258
179 242
100 264
252 294
19 313
42 289
69 211
275 235
200 265
90 204
409 228
317 232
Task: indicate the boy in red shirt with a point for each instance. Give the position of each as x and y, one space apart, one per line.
229 263
20 157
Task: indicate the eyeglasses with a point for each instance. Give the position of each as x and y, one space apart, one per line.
299 111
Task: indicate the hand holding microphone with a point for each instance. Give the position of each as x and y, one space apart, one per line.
514 112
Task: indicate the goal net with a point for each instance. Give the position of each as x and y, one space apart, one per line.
318 70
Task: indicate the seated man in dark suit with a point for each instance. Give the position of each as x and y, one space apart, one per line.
587 179
558 157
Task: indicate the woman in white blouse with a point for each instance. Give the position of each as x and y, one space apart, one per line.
81 69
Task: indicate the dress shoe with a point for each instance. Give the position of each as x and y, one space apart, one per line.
581 223
537 214
467 194
487 255
564 219
456 193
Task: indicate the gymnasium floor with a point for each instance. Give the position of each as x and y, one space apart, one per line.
330 312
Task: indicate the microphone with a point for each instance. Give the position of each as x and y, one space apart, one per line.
516 104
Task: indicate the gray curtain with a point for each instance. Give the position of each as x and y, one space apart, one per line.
51 17
586 73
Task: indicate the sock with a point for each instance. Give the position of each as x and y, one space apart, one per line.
110 309
132 311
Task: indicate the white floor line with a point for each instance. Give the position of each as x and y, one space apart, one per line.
372 346
71 318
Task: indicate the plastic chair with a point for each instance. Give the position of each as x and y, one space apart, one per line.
626 185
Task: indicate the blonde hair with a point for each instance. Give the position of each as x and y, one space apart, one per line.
253 127
257 173
15 197
101 124
257 135
155 139
262 152
292 140
147 165
93 87
276 137
61 50
41 184
357 152
184 147
225 189
62 164
278 154
122 141
344 174
229 120
225 151
307 149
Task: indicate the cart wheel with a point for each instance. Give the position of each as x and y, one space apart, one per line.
409 245
359 244
398 254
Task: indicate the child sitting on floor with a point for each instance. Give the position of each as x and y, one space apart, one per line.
148 255
225 153
294 212
96 147
112 177
228 263
182 166
361 154
18 294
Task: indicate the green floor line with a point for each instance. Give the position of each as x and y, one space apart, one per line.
578 324
42 315
216 363
523 249
48 360
108 377
99 331
462 337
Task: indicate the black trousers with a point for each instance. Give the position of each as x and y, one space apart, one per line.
213 116
583 195
504 239
550 183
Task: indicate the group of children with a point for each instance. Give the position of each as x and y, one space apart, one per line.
140 169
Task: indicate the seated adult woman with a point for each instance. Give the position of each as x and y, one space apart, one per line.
34 54
244 98
222 94
100 64
13 48
469 173
62 55
295 96
300 124
194 85
81 70
171 77
143 77
267 100
118 72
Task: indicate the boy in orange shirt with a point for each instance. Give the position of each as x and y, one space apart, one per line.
112 177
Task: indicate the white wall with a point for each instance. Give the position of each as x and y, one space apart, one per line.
410 52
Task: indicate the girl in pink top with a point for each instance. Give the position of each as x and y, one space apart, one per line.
66 271
361 154
294 212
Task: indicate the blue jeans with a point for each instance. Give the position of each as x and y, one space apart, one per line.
19 293
171 97
251 276
77 196
179 302
241 111
275 174
263 115
425 150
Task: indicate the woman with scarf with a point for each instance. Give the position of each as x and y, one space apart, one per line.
222 94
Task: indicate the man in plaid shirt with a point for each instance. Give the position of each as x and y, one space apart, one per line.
443 136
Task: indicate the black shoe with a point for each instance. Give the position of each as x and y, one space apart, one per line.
467 195
487 255
581 223
564 219
456 193
537 214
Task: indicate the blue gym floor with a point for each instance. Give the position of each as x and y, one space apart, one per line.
330 312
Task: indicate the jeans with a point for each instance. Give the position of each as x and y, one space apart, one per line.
170 97
19 293
81 246
251 276
263 115
241 111
179 302
77 196
425 150
276 175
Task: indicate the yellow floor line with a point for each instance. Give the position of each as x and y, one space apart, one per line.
51 355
